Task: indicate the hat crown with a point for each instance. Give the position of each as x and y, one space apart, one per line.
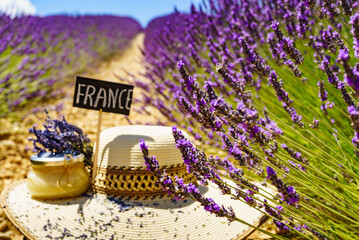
121 169
119 146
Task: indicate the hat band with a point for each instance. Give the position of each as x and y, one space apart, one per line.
137 183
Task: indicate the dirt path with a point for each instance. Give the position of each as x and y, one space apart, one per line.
15 148
116 70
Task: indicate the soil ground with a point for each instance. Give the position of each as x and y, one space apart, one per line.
15 149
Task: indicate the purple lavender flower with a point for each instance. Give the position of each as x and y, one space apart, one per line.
314 124
180 64
333 79
343 55
354 21
287 44
353 111
284 98
322 93
286 192
303 16
253 58
276 213
351 75
347 8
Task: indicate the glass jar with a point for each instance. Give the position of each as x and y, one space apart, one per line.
57 176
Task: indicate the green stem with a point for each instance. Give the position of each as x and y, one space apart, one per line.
309 141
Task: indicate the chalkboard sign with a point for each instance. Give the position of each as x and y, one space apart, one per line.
108 96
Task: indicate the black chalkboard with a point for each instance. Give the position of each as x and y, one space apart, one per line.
108 96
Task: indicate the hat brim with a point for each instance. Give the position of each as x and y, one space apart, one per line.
95 215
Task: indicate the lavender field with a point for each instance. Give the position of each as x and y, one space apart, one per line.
39 55
267 90
270 94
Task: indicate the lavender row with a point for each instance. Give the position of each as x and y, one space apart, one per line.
38 54
274 84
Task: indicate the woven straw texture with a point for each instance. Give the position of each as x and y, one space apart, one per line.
106 217
119 146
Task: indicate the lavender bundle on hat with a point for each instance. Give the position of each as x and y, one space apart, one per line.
127 203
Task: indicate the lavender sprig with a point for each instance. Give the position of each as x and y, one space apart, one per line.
287 193
287 44
180 190
354 21
282 95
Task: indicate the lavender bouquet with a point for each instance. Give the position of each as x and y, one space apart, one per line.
61 137
272 86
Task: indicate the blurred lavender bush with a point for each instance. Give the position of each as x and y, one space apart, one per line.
275 85
38 54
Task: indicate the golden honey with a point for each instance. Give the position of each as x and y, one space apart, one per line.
55 177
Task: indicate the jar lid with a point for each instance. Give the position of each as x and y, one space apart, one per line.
50 159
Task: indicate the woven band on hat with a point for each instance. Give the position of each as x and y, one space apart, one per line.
139 183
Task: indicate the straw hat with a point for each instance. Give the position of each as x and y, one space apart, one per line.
127 204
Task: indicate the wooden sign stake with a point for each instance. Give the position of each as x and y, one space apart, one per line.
95 158
102 96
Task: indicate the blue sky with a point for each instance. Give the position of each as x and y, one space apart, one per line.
141 10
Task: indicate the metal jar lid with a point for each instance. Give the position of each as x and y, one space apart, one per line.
50 159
